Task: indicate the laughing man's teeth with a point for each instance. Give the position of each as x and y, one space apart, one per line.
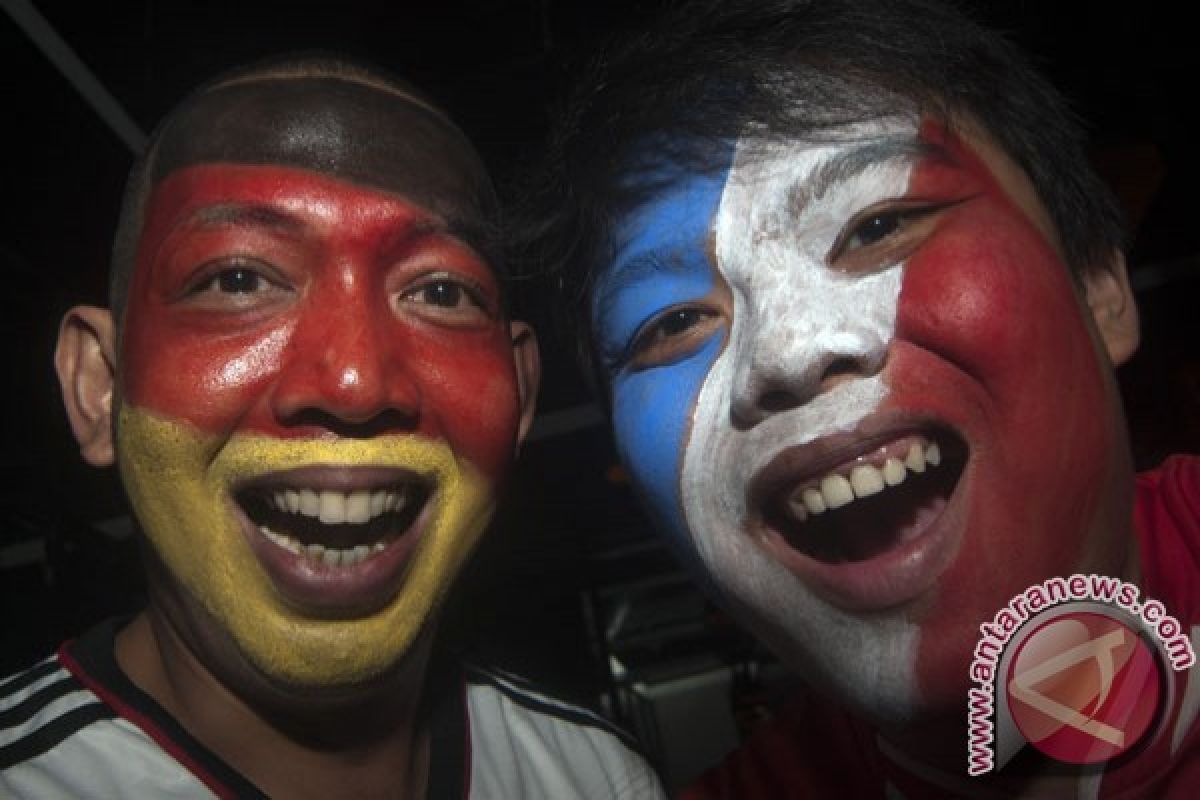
894 472
320 554
836 490
866 480
334 508
916 458
338 508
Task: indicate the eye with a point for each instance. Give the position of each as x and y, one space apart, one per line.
676 322
873 229
236 286
446 294
882 236
234 281
449 300
674 334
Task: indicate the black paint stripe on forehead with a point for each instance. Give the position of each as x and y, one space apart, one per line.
356 132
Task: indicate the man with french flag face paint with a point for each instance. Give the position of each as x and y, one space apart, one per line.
312 391
854 299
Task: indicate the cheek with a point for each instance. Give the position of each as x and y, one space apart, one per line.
994 303
652 422
469 395
204 378
993 338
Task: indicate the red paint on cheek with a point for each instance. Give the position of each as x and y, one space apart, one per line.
336 340
991 337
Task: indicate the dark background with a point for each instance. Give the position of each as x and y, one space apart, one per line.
570 548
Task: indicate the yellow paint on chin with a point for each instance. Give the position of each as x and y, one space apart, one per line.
178 480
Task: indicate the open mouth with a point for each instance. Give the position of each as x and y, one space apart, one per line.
334 527
870 504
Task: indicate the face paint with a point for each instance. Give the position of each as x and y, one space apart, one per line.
792 319
179 482
994 339
662 263
311 365
880 297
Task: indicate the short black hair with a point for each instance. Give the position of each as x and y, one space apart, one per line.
711 70
322 112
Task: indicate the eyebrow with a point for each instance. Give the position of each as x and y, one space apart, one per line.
642 267
848 163
248 216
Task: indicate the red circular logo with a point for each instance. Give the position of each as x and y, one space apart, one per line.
1084 687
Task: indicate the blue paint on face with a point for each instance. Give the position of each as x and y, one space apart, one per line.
662 261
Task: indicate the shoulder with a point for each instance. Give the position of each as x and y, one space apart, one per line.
40 707
525 742
1167 522
46 712
62 736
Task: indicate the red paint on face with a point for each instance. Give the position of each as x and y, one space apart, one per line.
991 338
345 311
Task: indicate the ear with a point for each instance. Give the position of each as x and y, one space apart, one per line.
85 359
1113 308
529 372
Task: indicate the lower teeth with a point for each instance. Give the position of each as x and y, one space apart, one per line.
318 553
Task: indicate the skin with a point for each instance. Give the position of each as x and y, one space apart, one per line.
804 317
293 327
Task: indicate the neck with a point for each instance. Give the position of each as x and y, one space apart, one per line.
935 749
290 742
935 753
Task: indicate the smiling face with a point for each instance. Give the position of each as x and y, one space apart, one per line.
856 383
318 397
317 392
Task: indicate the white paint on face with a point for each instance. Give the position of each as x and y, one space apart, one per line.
783 209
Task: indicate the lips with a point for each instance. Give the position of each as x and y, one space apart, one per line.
864 520
334 541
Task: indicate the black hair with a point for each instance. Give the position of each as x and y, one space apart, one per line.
710 71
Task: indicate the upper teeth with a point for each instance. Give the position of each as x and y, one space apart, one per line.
839 489
336 508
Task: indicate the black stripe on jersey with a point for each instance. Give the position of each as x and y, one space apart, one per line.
32 675
53 732
35 702
515 690
94 654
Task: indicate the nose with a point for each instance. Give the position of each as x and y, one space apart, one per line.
786 363
343 372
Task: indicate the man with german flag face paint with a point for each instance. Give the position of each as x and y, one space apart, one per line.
312 391
853 298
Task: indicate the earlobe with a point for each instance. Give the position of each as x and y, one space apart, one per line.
1113 308
85 360
529 373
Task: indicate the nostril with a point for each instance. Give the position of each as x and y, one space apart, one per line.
840 369
777 400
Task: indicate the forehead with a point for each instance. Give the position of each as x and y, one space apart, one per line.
673 207
283 199
372 136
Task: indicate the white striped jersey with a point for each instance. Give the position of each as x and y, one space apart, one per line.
74 726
